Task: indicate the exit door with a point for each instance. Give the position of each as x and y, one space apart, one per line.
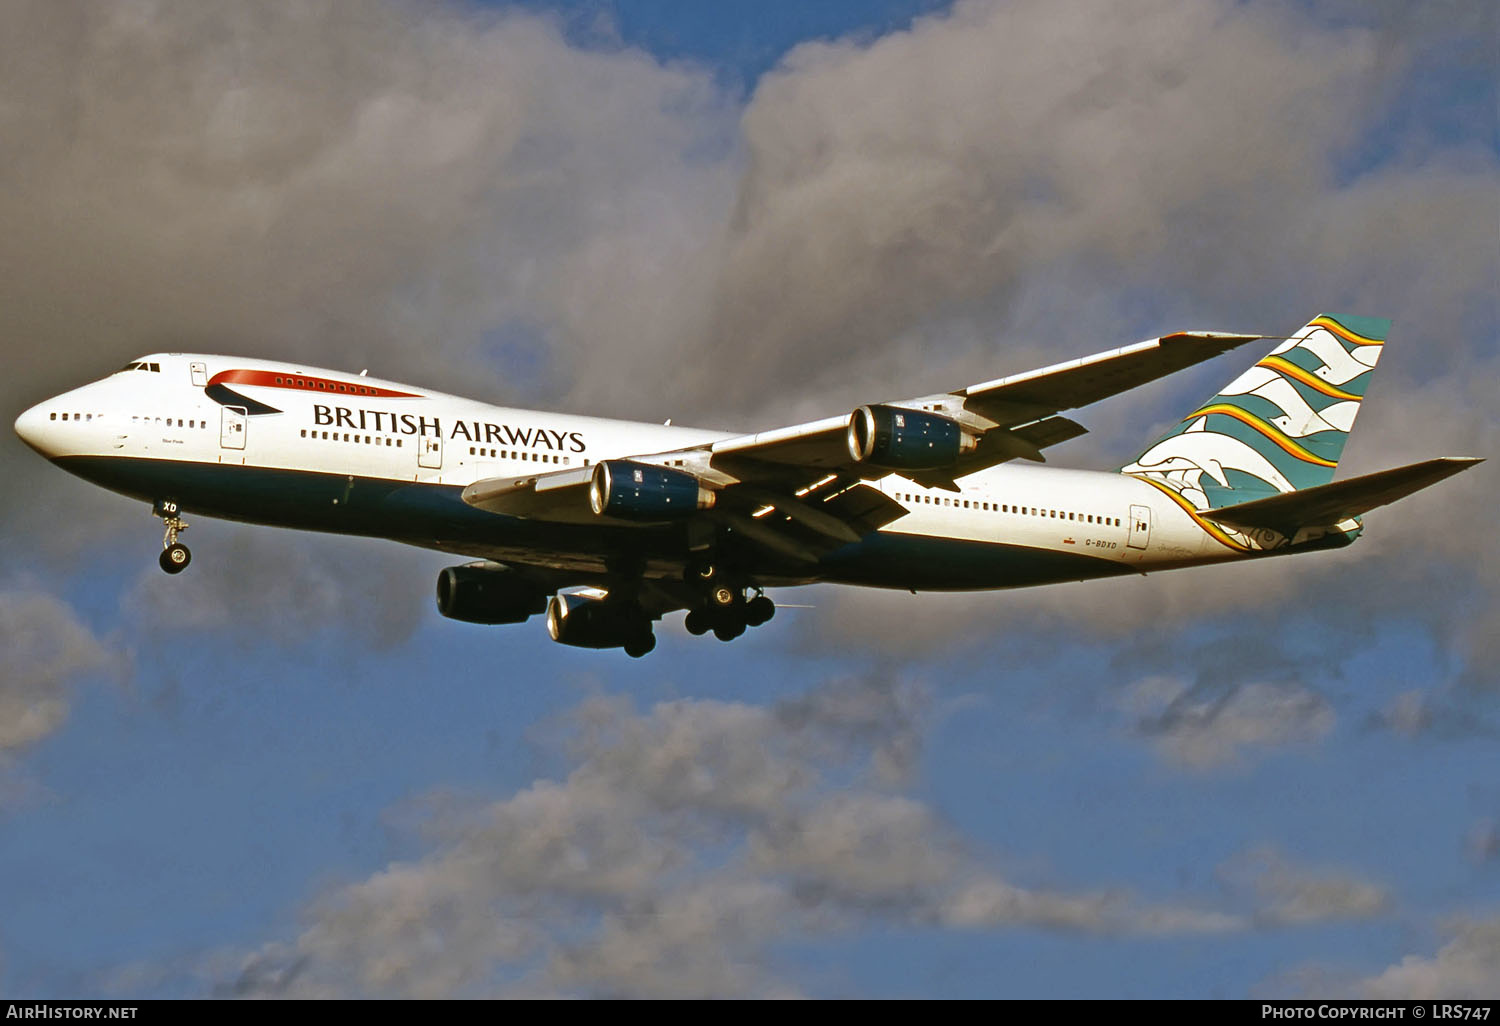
1140 527
232 427
199 371
430 452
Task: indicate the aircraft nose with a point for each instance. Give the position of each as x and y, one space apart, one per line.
31 426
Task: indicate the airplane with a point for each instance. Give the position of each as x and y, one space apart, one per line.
606 526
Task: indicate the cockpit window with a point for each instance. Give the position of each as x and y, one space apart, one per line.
133 365
156 368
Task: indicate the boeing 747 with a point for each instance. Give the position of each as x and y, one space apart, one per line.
606 526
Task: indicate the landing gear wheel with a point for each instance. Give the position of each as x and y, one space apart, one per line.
698 622
175 558
728 630
174 555
759 610
640 645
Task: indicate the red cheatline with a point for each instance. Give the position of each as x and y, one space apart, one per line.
305 383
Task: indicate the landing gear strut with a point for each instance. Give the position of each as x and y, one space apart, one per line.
175 556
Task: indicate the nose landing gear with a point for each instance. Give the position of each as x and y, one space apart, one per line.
175 556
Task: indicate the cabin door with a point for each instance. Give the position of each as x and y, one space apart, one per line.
232 427
1140 527
430 451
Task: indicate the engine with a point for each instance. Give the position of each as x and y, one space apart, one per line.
487 593
586 622
899 439
640 491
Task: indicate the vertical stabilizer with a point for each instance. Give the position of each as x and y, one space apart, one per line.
1279 427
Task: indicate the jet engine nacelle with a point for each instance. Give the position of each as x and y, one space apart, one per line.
485 593
894 438
641 491
586 622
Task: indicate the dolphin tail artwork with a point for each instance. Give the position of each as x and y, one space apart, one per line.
1255 464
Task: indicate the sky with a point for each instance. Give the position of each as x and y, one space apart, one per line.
284 774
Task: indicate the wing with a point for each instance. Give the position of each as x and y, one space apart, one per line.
1012 417
800 491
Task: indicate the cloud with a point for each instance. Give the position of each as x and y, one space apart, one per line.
1467 967
1206 726
251 583
1287 894
1483 842
382 185
1417 713
46 647
682 845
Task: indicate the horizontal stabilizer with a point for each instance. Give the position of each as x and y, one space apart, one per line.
1334 503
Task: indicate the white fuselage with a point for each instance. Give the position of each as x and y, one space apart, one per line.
275 443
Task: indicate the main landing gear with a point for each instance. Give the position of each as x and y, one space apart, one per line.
175 556
724 609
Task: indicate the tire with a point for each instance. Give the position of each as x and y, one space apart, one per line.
729 630
759 610
175 558
697 622
641 645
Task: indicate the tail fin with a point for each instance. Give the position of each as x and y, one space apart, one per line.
1276 428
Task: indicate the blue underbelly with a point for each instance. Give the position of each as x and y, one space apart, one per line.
924 562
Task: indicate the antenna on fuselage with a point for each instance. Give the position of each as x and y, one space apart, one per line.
364 372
